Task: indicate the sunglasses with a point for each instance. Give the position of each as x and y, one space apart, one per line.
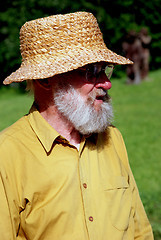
94 71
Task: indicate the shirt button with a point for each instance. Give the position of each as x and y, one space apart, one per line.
91 219
84 185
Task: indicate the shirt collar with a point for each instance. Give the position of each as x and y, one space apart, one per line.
45 133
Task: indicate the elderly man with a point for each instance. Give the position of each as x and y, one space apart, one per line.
64 168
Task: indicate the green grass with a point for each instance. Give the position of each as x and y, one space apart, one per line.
13 105
137 110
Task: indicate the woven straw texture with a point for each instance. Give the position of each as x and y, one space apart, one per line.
61 43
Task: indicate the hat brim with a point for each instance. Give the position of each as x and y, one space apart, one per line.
47 65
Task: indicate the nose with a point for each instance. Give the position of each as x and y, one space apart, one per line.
103 82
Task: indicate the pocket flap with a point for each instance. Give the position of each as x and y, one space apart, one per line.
115 182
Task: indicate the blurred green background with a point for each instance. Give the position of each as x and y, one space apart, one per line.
137 108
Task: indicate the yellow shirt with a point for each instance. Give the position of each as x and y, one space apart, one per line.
51 191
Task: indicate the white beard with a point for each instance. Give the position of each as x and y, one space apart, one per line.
80 113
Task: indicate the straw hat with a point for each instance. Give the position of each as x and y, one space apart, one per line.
61 43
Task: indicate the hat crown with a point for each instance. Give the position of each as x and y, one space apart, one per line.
59 33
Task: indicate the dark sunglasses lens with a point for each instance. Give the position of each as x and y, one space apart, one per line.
93 72
90 74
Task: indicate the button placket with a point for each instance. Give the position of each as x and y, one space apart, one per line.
85 187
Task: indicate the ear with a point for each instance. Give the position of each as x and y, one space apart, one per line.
44 83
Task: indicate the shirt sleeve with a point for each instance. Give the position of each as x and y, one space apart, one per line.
143 230
9 210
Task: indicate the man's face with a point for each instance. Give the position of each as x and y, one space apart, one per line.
88 86
84 103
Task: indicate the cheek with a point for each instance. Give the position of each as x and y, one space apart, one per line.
85 90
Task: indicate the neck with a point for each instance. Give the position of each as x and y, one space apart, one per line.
61 125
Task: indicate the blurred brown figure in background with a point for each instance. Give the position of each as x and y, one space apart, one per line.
145 53
132 48
136 48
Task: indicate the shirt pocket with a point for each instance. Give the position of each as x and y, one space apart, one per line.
119 200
